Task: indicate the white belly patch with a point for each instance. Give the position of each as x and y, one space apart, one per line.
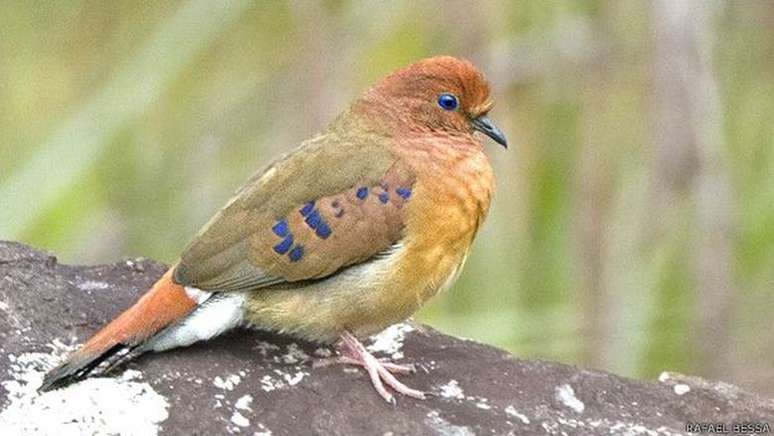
216 314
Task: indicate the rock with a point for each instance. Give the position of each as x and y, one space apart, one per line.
255 383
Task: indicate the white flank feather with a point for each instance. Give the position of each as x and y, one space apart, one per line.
215 315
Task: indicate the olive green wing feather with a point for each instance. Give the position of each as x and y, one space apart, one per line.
327 205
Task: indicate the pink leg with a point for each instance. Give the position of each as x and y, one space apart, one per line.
353 352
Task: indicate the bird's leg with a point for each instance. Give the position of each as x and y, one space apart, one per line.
353 352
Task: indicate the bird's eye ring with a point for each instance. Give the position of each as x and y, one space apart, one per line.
448 101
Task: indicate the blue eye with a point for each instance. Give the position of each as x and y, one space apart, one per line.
447 102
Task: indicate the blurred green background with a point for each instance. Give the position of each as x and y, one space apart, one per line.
633 225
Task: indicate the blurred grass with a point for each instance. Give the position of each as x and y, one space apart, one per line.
124 126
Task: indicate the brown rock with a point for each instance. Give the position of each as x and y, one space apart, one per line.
250 382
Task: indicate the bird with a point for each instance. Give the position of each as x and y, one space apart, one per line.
347 234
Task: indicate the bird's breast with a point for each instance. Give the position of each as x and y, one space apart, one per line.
451 199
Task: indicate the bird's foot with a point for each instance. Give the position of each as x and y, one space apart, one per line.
352 352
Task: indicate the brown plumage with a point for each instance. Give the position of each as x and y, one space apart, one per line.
349 233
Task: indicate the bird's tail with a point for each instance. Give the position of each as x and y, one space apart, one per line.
164 304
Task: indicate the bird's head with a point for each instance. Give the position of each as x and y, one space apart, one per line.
442 94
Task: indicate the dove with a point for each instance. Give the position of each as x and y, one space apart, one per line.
347 234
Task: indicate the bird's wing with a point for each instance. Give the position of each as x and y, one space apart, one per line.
326 206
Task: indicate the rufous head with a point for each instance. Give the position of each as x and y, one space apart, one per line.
442 94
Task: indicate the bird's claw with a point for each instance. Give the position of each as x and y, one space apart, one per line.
380 371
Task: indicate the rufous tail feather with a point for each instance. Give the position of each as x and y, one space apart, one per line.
164 304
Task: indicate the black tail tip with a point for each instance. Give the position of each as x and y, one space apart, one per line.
81 365
77 367
59 377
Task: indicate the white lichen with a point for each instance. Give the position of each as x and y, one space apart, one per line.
483 405
244 402
265 348
390 341
323 352
283 379
444 427
605 426
262 430
239 419
116 405
681 389
566 395
510 410
294 379
91 285
268 383
227 383
294 354
452 390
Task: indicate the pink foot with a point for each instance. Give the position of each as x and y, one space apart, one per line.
353 352
394 368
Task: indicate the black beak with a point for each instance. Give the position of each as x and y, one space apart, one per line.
487 127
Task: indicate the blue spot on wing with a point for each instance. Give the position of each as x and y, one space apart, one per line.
308 207
296 253
323 231
384 197
404 193
281 228
313 219
284 245
362 192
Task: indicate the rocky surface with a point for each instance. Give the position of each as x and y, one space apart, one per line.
254 383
